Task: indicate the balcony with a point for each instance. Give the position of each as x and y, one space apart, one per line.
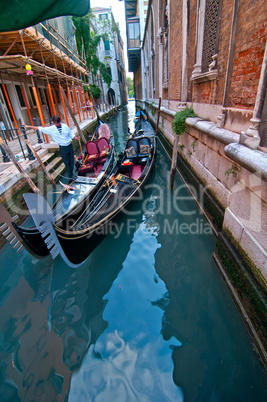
133 43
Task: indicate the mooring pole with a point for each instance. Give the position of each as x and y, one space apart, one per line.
174 160
158 117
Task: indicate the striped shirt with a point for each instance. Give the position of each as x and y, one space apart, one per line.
62 135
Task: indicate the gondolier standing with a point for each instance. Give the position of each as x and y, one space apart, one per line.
63 136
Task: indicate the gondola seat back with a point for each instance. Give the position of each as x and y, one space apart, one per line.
104 131
92 152
131 150
144 147
103 147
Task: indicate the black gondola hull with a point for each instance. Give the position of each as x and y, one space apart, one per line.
78 246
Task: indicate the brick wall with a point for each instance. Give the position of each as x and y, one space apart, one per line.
249 51
175 55
224 43
192 45
138 83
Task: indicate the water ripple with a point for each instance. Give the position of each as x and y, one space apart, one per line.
131 361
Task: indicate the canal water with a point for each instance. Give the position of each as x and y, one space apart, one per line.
147 317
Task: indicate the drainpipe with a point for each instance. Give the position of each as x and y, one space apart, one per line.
251 137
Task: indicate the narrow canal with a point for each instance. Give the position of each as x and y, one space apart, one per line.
146 318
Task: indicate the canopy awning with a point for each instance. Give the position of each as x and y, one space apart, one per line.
19 14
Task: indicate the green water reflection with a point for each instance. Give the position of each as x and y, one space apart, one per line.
146 318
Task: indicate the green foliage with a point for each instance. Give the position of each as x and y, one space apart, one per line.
88 40
104 72
178 124
95 91
130 86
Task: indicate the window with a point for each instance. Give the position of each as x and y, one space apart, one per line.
20 96
134 35
103 16
107 44
207 39
210 33
109 71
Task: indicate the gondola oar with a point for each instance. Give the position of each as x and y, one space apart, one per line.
81 152
41 163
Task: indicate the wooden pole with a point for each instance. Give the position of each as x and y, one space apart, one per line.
174 160
49 102
51 97
90 113
70 101
79 131
81 98
41 162
18 166
34 90
10 107
76 97
26 103
158 116
86 109
95 108
64 100
57 103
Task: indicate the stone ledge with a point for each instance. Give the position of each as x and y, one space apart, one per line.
210 128
252 160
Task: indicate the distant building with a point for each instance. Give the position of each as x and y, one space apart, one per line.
110 52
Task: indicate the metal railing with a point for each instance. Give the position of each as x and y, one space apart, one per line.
14 134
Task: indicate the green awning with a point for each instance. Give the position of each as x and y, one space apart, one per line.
19 14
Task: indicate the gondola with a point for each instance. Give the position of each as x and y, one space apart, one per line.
92 167
75 239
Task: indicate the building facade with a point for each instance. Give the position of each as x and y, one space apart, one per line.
210 55
37 65
111 53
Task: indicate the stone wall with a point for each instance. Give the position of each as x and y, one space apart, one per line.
236 176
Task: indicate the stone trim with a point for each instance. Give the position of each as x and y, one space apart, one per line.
252 160
210 128
203 77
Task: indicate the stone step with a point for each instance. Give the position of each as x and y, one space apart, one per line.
59 171
54 164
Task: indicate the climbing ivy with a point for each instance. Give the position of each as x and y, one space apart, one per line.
178 124
88 40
